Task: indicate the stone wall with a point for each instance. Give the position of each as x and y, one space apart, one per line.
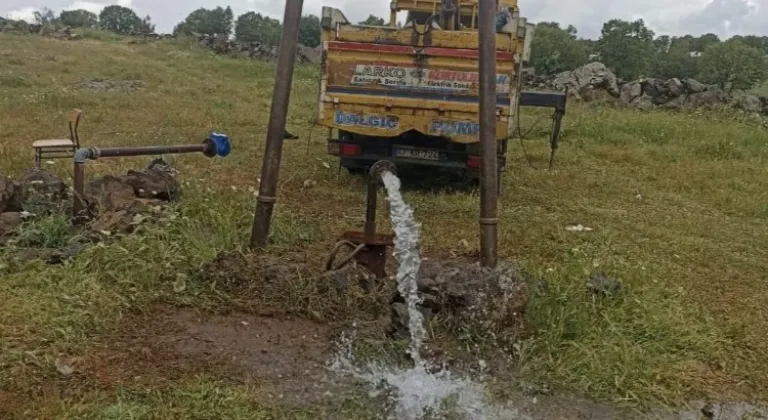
594 81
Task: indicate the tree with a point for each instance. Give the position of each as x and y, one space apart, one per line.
146 26
759 42
79 19
733 65
252 27
556 50
121 20
45 16
701 43
662 44
310 31
627 48
216 21
676 59
373 21
204 21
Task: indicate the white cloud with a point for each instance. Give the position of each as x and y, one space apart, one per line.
86 5
26 13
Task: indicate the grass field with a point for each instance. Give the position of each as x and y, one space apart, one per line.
678 203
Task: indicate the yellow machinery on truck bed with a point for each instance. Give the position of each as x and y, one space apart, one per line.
410 93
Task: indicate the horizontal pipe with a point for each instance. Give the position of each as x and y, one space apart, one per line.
213 146
108 152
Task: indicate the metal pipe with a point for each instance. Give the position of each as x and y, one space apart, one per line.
374 176
153 150
488 144
278 114
79 207
215 145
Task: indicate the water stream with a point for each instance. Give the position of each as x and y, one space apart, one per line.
417 392
408 256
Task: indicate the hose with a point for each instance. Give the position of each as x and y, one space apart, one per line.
336 248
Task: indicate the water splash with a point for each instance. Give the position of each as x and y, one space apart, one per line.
408 256
419 391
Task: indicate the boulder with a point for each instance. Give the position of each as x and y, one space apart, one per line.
9 221
41 191
675 87
693 86
711 97
158 181
750 103
676 103
109 193
644 101
10 195
590 76
630 91
463 295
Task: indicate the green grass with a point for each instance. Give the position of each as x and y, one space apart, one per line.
677 201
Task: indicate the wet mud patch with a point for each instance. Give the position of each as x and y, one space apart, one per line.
285 357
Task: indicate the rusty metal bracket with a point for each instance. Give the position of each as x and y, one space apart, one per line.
369 248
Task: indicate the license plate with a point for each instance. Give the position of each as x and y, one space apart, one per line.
416 154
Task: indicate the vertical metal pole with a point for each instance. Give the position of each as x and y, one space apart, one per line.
276 129
370 208
79 212
488 144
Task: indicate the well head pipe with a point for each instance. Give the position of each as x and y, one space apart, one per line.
378 168
374 177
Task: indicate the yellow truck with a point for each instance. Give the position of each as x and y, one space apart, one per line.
410 93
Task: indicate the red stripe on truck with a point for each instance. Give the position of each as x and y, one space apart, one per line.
405 49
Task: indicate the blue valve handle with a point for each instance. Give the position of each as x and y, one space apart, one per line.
221 145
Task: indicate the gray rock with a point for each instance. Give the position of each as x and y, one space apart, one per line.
750 103
109 193
590 76
676 103
655 88
643 102
9 221
630 91
42 191
711 97
10 195
693 86
675 87
158 181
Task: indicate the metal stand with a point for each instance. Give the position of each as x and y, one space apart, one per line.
369 248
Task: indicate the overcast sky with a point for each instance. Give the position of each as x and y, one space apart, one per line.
672 17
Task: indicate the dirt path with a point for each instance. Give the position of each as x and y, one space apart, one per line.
287 358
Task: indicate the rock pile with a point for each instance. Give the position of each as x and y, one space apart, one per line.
753 104
594 81
467 296
672 93
114 202
37 191
225 46
22 27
